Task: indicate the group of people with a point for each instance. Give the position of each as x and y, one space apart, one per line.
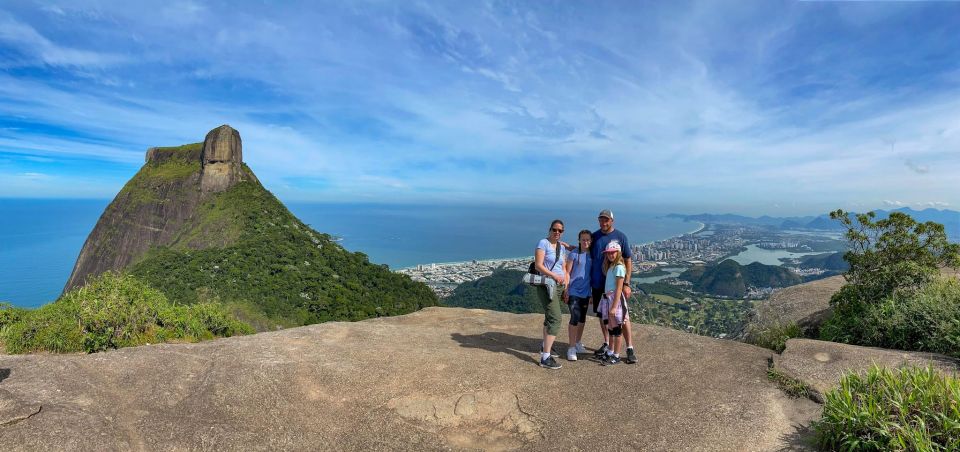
595 272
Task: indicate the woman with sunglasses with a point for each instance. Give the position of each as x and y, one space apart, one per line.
549 260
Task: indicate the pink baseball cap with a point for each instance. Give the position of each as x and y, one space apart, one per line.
612 247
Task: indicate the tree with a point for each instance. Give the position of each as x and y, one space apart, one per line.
892 263
893 254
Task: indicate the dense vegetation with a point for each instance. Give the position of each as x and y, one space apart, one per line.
730 279
893 297
501 291
902 410
275 266
112 311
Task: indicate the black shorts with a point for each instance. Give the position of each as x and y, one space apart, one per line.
578 309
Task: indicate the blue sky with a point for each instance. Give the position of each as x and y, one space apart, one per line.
749 107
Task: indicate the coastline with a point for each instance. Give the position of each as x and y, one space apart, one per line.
501 260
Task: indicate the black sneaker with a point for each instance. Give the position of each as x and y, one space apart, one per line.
610 361
631 357
600 351
550 363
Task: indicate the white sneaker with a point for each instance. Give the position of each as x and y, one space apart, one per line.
581 348
572 354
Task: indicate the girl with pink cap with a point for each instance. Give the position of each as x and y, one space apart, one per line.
613 305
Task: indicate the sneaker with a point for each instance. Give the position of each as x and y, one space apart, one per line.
610 360
600 352
631 357
581 348
572 354
550 363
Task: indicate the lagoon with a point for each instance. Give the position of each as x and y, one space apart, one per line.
753 253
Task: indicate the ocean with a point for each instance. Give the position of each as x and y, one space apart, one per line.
40 239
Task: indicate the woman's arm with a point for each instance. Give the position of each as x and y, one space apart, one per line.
538 259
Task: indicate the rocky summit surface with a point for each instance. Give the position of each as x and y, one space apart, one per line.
437 379
819 365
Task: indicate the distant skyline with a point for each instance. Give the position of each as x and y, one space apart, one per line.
766 107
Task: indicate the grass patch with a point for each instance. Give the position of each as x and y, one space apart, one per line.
775 336
793 387
171 170
906 409
114 311
190 147
668 299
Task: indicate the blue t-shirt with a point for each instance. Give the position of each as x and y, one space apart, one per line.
600 241
550 256
579 273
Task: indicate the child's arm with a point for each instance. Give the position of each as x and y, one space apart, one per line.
566 269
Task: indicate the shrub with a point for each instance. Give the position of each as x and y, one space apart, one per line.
926 320
891 298
906 409
114 311
9 314
775 336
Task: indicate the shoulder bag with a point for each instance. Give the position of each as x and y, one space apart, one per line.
533 277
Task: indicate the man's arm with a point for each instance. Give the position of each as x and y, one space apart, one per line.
626 279
627 290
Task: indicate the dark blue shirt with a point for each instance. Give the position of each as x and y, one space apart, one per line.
600 241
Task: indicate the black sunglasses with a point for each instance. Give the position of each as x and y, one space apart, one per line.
556 230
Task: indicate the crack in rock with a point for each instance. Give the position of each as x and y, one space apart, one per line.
13 410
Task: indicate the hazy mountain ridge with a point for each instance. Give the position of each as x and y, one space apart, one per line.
950 219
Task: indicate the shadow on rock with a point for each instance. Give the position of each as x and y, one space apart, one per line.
4 374
801 438
521 347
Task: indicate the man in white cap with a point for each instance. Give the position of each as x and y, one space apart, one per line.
601 238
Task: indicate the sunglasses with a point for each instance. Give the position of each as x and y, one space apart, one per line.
556 230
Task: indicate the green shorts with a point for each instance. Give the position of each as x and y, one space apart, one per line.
550 297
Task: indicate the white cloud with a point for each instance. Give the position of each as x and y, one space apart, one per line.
41 50
679 108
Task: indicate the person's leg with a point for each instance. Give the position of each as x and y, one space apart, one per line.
550 325
552 318
597 294
627 338
613 355
574 307
584 305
